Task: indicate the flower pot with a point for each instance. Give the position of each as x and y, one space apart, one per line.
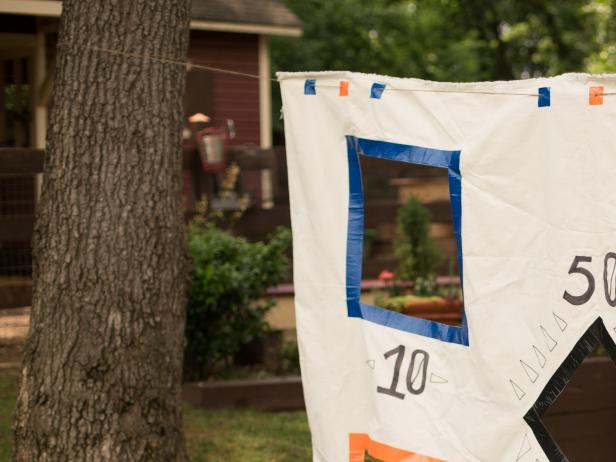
444 310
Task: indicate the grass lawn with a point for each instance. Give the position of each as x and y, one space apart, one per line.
212 436
8 380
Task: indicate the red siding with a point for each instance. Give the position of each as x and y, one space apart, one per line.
233 97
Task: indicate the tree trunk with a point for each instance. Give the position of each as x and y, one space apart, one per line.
101 378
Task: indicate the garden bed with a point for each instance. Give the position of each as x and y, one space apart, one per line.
270 394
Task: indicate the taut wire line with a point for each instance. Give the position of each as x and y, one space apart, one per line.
188 65
434 90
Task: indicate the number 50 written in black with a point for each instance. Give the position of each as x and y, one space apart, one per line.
609 287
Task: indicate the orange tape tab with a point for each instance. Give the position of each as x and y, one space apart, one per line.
344 88
595 96
359 443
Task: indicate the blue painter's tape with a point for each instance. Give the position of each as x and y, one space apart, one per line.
413 325
355 234
310 87
404 152
544 97
455 194
377 90
355 231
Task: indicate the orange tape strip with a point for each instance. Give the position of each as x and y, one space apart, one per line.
359 443
344 88
595 96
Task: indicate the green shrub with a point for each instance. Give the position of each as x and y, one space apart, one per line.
418 256
370 235
226 305
288 359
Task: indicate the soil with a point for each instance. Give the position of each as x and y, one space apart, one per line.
14 324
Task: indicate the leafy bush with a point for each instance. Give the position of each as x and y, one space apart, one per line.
419 258
370 235
225 299
288 359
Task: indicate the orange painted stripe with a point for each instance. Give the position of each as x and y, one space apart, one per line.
344 88
359 443
595 96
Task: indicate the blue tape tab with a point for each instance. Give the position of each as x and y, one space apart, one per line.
310 87
377 90
544 97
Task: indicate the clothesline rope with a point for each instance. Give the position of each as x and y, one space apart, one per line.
189 65
434 90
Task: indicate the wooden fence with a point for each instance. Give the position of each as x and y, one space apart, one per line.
583 418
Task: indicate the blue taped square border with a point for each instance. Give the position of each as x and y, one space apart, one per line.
355 234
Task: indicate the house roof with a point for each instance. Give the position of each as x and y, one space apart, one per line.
265 12
248 16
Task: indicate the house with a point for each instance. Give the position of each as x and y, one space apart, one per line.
226 34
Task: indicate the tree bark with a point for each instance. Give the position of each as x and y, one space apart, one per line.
101 377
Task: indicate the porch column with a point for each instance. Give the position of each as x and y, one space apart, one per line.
40 104
265 96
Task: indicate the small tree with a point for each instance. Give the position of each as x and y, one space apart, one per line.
419 258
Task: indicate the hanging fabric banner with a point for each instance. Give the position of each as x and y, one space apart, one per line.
531 172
